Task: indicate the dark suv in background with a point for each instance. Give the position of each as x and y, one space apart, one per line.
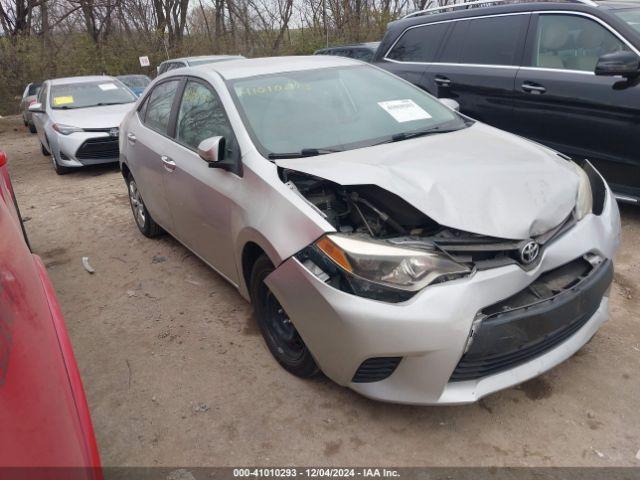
565 74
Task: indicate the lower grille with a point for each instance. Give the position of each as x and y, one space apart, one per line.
101 148
517 330
376 369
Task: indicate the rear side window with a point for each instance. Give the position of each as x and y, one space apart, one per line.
158 106
494 40
419 44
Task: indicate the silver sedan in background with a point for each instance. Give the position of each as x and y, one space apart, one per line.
78 118
29 97
409 252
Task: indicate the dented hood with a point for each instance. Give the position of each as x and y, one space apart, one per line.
479 179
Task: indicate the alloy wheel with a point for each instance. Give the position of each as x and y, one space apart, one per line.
137 206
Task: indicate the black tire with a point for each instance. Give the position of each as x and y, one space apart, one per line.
32 128
44 150
282 338
60 170
141 216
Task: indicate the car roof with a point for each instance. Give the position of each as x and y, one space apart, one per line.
202 57
372 45
130 75
88 78
246 67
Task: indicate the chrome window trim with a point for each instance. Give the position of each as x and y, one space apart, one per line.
541 12
562 70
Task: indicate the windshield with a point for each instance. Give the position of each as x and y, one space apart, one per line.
335 109
631 16
133 81
89 94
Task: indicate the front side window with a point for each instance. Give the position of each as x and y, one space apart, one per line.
158 105
338 108
572 42
201 116
97 93
419 44
494 40
631 16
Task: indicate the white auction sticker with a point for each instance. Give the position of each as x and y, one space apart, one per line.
107 86
404 110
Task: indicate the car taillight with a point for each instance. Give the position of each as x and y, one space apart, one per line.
3 159
31 102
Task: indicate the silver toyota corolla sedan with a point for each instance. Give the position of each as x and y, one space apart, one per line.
407 251
77 120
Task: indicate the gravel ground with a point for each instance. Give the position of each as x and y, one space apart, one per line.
176 372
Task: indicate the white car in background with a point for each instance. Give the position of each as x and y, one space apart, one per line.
77 120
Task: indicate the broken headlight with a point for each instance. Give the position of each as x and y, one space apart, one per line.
376 269
584 199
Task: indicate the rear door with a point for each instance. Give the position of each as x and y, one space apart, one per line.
200 197
477 66
146 145
561 103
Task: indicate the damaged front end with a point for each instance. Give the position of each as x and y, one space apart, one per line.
386 249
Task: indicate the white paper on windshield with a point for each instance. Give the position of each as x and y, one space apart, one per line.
404 110
107 86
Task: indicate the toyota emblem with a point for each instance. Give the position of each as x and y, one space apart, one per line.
114 132
529 252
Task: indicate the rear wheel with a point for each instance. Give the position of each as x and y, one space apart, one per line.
147 226
282 338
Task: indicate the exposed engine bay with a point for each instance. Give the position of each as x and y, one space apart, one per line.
371 211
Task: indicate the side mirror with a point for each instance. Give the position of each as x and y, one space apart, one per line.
212 150
36 108
626 64
451 103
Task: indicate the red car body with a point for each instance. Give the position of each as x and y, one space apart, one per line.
44 419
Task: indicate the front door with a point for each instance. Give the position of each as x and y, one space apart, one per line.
200 197
561 103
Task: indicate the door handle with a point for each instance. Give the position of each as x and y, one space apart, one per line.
533 88
168 164
442 81
131 137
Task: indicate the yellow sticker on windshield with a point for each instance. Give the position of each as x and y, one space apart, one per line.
62 100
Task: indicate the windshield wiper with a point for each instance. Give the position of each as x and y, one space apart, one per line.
398 137
104 104
305 152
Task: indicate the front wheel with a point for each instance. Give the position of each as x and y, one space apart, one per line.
32 128
147 226
60 170
44 150
282 338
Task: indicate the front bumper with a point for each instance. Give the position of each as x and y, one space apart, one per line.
430 331
71 151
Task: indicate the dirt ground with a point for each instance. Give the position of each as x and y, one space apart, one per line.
176 373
